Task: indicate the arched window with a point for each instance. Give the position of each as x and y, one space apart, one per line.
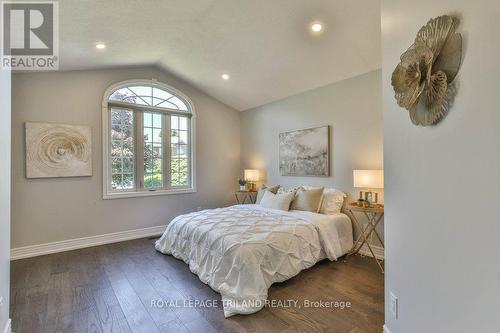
148 146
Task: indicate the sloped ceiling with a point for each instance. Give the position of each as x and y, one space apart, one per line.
264 45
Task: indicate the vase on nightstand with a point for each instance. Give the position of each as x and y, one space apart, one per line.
243 187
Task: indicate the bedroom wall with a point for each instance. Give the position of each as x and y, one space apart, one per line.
48 210
353 109
443 183
5 115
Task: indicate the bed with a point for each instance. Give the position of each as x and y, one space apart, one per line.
240 251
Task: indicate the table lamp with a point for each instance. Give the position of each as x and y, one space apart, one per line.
252 176
369 180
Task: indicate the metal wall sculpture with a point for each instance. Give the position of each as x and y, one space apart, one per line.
423 79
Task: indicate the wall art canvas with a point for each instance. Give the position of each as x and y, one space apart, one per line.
305 152
58 150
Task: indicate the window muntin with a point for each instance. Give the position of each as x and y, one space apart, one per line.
148 95
149 136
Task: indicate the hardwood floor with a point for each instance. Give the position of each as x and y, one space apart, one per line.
110 288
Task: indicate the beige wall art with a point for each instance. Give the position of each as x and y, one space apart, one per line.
305 152
57 150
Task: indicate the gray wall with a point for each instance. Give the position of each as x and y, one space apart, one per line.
353 109
442 183
4 195
47 210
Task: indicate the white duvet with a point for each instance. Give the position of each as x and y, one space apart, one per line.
240 251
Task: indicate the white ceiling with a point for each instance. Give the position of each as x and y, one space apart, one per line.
264 45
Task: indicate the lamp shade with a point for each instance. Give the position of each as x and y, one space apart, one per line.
252 175
368 178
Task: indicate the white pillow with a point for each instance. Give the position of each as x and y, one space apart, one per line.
277 201
333 200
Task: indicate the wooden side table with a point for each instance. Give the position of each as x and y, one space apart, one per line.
374 215
245 197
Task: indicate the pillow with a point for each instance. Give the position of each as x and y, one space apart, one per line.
333 200
263 189
283 190
277 201
308 200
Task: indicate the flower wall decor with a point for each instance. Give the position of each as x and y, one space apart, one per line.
423 79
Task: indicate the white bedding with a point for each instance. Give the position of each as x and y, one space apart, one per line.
240 251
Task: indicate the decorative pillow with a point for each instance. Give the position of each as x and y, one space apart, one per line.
277 201
308 200
283 190
333 200
263 189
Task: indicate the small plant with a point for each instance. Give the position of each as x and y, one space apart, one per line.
242 182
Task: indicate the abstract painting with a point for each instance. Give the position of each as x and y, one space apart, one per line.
305 152
57 150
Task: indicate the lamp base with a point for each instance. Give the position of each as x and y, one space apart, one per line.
368 197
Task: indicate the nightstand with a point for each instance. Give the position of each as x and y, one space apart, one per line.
374 214
245 197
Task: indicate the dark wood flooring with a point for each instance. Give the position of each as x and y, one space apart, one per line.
110 288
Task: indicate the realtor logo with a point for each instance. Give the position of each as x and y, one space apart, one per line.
30 38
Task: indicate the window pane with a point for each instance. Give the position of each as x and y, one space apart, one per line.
180 104
179 163
148 122
153 148
116 148
183 123
127 131
116 181
148 134
128 181
168 105
128 165
116 165
157 119
157 135
183 150
121 95
157 150
142 91
183 171
174 122
122 149
183 137
161 94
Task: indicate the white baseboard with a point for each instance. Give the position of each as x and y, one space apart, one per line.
377 250
7 328
78 243
386 330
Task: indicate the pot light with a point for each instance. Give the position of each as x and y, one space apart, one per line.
316 27
225 76
100 46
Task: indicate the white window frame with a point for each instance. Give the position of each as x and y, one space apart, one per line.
106 144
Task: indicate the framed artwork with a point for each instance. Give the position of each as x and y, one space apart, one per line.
305 152
58 150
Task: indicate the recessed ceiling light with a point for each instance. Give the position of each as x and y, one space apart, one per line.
100 46
225 76
316 27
